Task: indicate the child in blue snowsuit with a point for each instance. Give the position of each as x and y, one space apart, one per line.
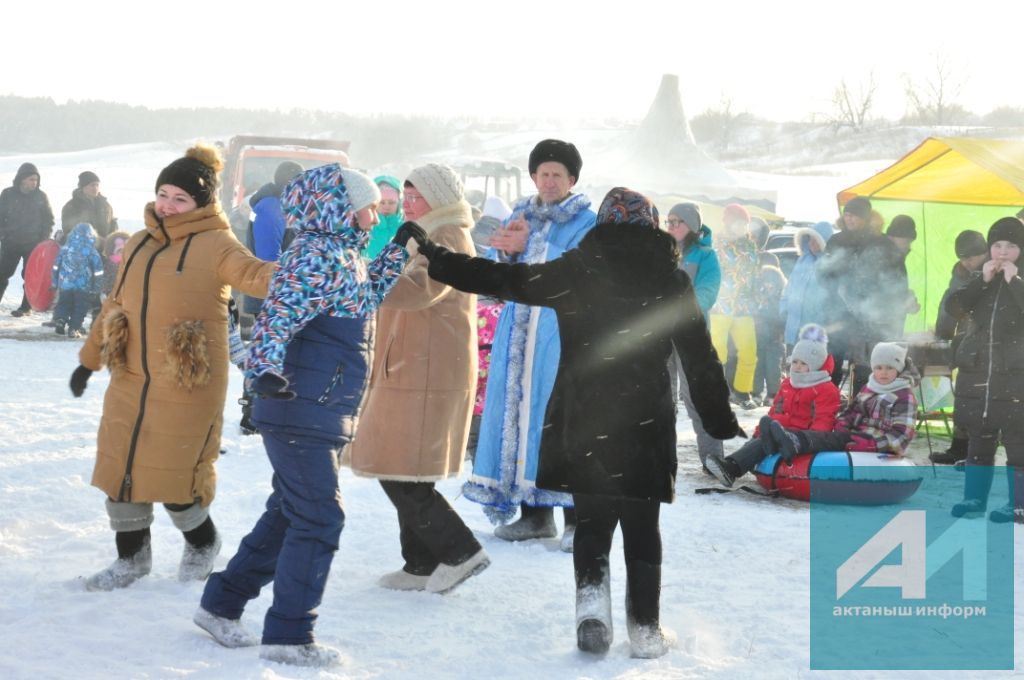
308 363
77 274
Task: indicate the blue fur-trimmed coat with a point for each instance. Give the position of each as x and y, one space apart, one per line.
503 478
621 304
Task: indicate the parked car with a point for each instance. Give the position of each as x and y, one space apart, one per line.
781 244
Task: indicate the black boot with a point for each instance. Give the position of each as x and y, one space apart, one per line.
977 484
647 640
1013 511
956 452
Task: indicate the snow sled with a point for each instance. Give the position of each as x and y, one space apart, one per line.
841 477
39 275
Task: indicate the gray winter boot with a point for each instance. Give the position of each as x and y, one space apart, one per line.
197 563
123 571
534 523
594 617
312 655
647 639
227 632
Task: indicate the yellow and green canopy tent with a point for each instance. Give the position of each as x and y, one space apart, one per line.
947 185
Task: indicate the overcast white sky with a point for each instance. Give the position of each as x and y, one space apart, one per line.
780 60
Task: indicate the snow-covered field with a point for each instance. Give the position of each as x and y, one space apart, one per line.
734 579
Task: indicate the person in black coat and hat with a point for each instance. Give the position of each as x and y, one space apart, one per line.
25 220
990 384
609 433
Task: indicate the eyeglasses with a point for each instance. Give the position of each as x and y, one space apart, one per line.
672 222
410 198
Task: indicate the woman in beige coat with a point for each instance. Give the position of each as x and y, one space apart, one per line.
415 423
163 334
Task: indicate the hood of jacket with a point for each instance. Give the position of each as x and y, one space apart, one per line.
820 233
637 258
207 218
26 170
316 202
82 236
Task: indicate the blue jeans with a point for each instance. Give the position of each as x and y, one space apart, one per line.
292 544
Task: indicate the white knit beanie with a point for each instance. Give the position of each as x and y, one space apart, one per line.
812 353
361 190
438 183
889 354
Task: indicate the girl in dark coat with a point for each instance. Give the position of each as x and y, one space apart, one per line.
990 384
609 434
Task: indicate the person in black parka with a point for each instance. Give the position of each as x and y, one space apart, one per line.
990 384
25 220
609 431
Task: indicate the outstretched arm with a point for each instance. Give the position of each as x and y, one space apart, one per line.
546 284
384 272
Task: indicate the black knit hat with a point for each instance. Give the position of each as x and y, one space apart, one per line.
86 178
25 170
1007 229
286 171
902 226
859 206
558 151
970 243
196 173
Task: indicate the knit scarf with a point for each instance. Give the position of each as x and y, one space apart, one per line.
538 216
809 379
895 386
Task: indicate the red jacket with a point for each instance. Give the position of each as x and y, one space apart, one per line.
807 408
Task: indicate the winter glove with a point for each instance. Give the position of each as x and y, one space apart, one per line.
272 385
726 429
79 379
411 230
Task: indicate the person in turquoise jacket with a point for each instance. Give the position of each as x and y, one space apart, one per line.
700 262
389 213
525 355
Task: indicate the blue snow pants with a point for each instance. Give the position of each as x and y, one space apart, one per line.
292 544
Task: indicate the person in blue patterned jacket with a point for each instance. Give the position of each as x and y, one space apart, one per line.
308 364
77 275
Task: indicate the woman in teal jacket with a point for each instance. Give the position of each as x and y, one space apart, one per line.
700 262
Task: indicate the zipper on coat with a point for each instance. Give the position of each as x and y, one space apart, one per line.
991 330
128 263
336 380
184 252
125 495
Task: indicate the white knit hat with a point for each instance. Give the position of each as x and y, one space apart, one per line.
889 354
812 353
361 190
438 183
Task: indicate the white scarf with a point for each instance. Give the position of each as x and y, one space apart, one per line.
895 386
809 379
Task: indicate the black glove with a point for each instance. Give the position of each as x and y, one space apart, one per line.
78 380
411 230
727 428
272 385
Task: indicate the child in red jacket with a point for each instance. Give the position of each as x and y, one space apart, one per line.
807 400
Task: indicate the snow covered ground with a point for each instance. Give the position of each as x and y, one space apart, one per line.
734 579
